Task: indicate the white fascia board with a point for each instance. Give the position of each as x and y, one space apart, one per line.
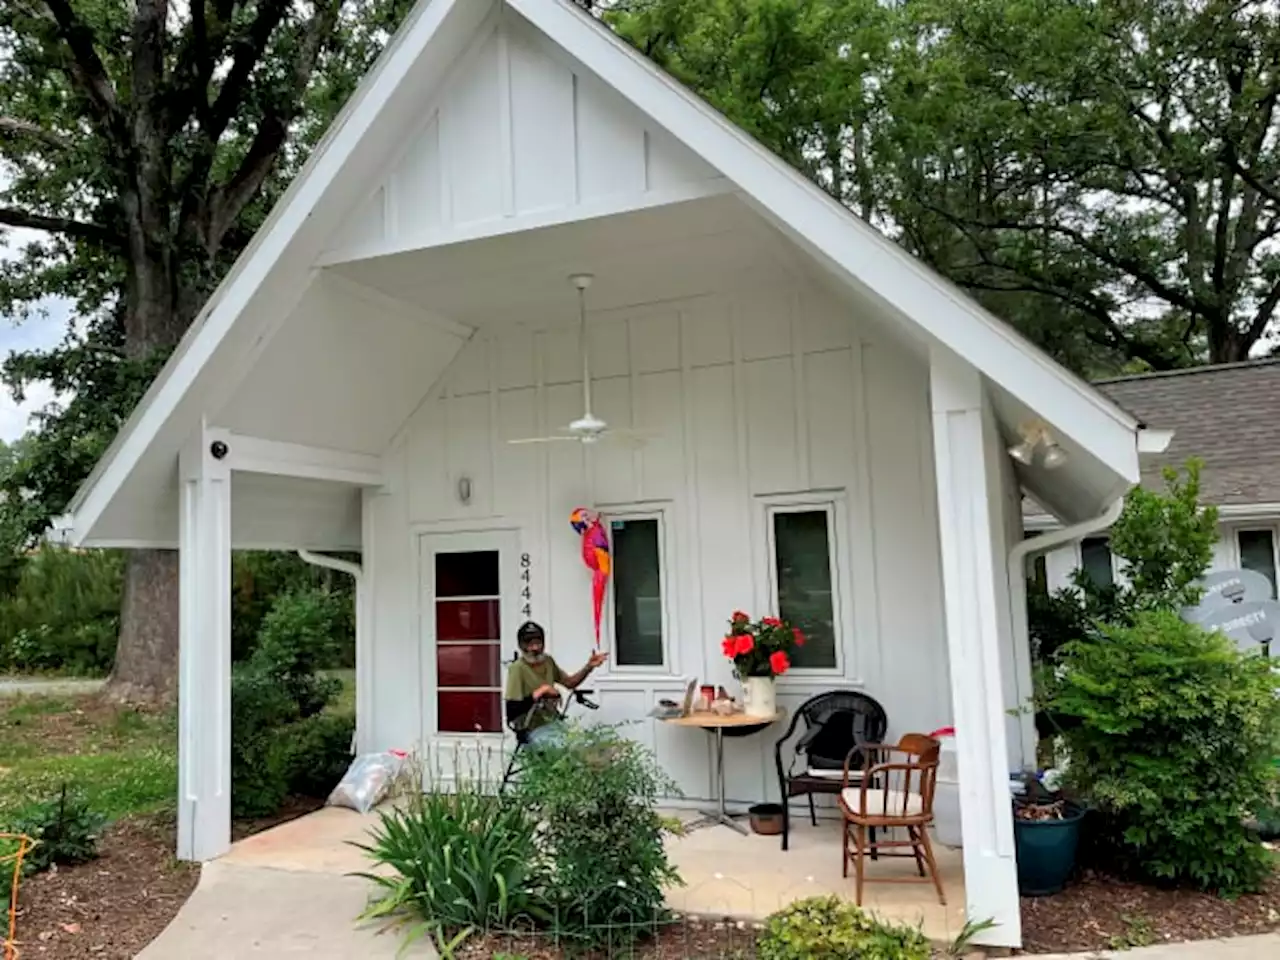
836 238
1154 441
293 214
280 459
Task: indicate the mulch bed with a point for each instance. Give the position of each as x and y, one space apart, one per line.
111 907
1098 912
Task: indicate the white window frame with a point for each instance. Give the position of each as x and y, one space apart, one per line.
662 514
834 504
1271 528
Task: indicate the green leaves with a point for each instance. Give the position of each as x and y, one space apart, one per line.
828 928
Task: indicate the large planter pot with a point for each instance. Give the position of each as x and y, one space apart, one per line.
766 819
759 697
1046 851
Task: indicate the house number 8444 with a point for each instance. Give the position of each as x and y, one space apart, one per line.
526 595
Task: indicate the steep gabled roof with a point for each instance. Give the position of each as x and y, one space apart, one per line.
280 264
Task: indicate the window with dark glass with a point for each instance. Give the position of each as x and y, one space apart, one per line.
802 568
1258 553
637 592
468 642
1095 558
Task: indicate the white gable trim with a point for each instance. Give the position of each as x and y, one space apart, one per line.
858 254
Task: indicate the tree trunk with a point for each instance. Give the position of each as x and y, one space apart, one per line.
146 667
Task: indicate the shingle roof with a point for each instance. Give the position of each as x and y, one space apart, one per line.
1228 415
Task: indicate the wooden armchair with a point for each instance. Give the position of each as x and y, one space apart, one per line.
895 792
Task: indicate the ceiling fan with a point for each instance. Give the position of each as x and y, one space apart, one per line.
588 428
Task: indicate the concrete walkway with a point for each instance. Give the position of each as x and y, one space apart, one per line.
245 911
47 686
1237 948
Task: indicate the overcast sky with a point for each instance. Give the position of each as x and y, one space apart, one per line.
39 331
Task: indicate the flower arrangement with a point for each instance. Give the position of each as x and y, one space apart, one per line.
760 648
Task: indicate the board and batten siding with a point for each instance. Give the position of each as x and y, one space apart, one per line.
768 392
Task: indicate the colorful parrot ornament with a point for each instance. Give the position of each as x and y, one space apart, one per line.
595 554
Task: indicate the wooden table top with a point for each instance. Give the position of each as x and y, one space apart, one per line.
710 721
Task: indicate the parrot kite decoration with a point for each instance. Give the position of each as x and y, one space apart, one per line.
595 554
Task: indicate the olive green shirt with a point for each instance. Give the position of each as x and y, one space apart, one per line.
523 678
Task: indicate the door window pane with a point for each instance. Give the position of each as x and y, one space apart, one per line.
468 711
1258 553
637 593
1095 558
468 665
467 620
472 574
802 559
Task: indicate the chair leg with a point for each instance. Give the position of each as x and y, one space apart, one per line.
813 814
875 851
844 850
786 821
859 867
933 866
913 833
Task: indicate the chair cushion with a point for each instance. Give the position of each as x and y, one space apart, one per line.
883 803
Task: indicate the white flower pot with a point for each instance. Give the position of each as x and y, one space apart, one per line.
759 696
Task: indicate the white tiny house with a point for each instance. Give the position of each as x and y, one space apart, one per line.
826 423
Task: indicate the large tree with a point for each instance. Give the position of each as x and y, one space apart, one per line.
1105 175
144 143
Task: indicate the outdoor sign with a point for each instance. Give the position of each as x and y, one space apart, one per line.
1227 588
1251 625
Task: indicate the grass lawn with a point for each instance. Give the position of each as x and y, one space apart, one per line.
122 760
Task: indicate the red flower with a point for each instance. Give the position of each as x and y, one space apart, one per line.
729 646
779 663
740 617
771 622
745 644
799 637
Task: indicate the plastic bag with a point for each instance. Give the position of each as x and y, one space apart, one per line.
367 781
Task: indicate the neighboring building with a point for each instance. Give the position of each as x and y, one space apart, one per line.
1227 416
830 424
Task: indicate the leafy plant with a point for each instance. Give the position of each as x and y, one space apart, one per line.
318 752
462 861
828 928
597 797
299 638
1138 932
65 831
964 939
1173 744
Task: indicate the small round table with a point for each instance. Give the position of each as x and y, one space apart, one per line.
741 725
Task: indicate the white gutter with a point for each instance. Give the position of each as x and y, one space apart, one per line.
364 676
1018 609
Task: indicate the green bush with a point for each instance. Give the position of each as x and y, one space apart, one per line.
65 830
299 637
461 860
260 577
1173 743
318 752
260 710
828 928
597 798
64 613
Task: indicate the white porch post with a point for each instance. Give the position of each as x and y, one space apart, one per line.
204 650
971 562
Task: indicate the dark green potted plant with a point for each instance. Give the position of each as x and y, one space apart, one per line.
1046 835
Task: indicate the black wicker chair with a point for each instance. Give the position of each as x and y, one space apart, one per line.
835 723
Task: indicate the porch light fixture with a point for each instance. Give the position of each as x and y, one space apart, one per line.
1034 434
464 489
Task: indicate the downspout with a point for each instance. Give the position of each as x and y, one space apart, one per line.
364 701
1018 613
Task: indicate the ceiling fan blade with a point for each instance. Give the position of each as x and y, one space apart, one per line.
543 439
629 436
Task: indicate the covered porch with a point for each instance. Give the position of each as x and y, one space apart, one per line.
726 875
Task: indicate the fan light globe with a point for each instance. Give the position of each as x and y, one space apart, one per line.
1023 452
1054 457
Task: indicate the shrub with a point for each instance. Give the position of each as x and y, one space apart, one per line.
260 709
65 830
461 860
828 928
318 752
259 577
597 798
299 637
1173 745
63 614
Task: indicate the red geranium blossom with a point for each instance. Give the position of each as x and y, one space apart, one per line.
740 617
745 644
771 622
729 646
779 663
800 638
